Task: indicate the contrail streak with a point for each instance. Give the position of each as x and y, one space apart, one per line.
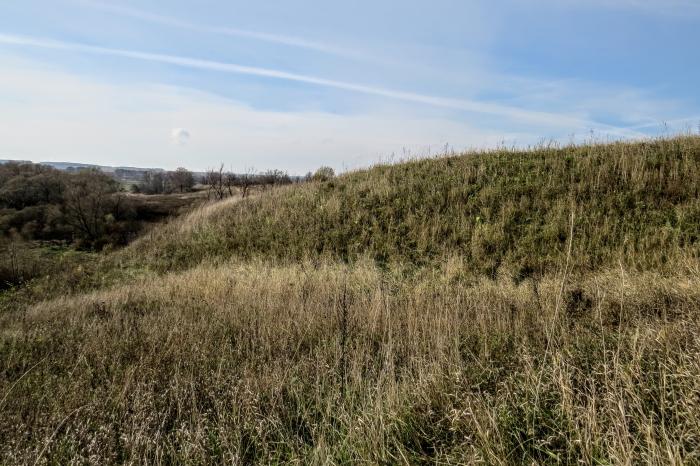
226 31
545 118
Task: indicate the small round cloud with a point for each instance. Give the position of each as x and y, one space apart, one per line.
180 136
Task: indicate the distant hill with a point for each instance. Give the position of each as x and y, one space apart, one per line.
637 201
10 160
120 173
70 166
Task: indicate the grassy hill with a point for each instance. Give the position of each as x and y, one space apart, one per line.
504 307
637 203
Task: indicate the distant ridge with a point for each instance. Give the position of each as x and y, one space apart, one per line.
11 160
77 165
104 168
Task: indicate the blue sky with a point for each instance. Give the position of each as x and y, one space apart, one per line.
299 84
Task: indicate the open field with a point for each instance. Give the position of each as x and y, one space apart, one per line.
159 206
504 307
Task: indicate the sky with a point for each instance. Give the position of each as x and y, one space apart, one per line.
295 85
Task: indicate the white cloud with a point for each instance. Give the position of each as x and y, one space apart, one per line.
86 121
180 136
562 120
83 120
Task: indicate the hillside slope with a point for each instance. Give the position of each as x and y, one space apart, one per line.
637 203
537 307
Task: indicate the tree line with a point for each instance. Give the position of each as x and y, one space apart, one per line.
160 182
220 183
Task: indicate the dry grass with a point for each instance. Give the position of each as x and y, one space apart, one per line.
328 363
536 307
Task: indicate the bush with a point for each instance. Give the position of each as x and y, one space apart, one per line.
323 174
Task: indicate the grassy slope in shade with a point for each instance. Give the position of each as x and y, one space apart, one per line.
290 331
632 202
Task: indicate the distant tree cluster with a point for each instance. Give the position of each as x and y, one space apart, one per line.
160 182
41 203
222 184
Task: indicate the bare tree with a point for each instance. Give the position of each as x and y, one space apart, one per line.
222 184
230 182
215 179
245 181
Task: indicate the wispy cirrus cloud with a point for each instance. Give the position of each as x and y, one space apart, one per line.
166 20
58 115
561 120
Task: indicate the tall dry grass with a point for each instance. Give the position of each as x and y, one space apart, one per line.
324 363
